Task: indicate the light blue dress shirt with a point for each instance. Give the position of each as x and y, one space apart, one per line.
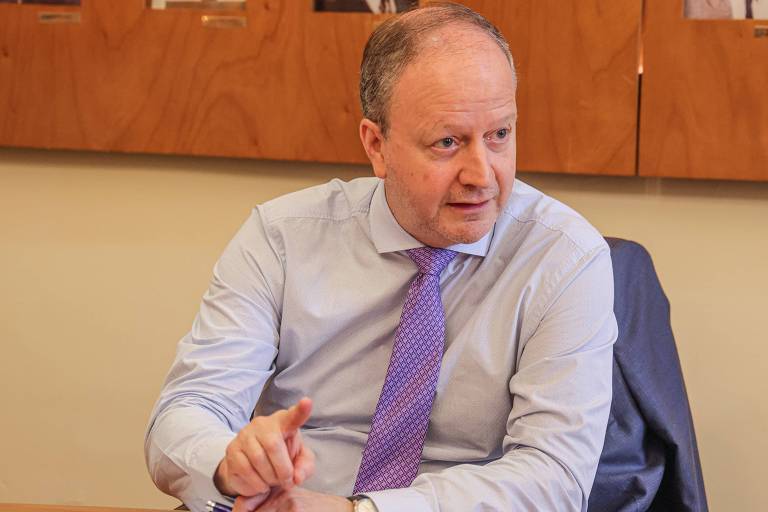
305 300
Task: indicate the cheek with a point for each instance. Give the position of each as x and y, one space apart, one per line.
505 176
437 186
504 169
427 184
422 192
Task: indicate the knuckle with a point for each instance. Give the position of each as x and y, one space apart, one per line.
271 481
284 473
242 468
258 457
236 470
271 443
268 480
264 422
254 446
237 484
250 486
259 487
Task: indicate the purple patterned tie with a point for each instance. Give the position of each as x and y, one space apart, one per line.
393 451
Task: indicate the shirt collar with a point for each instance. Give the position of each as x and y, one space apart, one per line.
388 236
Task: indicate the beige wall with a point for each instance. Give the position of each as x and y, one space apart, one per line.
103 259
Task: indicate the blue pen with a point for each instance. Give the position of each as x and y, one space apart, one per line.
213 506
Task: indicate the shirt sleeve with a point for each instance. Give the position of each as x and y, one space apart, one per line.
220 369
561 401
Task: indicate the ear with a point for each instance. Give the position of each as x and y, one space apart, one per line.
373 140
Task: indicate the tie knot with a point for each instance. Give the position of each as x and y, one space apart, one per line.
431 260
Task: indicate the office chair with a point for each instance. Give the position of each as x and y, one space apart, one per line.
650 461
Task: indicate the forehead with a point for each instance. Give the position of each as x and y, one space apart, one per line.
458 72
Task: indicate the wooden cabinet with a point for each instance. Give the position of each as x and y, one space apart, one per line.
704 109
285 87
577 63
128 78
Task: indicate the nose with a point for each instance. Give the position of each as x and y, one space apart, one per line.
476 169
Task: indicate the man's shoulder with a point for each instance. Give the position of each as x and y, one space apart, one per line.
533 216
335 200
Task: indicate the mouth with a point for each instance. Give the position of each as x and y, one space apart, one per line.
470 207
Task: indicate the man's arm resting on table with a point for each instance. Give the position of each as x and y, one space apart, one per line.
221 366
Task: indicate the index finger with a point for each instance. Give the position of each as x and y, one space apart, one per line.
295 417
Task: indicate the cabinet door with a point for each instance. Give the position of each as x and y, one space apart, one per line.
704 109
9 39
577 63
129 78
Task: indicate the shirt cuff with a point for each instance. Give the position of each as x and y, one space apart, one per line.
397 500
203 464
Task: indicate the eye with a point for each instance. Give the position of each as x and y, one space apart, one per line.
499 135
499 138
446 143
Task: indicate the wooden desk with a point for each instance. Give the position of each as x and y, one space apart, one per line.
19 507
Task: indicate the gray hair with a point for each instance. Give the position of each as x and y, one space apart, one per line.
397 41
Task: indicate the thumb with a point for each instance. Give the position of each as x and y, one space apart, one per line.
296 416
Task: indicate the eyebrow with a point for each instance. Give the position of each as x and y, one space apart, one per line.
508 119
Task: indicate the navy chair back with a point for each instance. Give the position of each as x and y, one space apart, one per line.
650 461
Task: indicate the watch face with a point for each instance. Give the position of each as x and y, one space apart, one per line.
365 505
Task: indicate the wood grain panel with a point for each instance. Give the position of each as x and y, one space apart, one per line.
133 79
577 64
704 110
19 507
9 38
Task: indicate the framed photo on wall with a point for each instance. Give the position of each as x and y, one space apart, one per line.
51 2
372 6
46 2
726 9
197 4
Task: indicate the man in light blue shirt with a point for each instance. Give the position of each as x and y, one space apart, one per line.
306 299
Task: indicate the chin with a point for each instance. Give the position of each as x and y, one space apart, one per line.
467 236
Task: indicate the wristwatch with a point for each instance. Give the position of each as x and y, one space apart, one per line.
363 504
